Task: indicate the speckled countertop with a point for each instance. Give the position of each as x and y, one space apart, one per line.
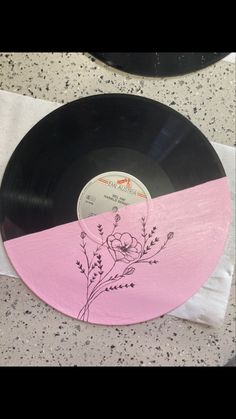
31 333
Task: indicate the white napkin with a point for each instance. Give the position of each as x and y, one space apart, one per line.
20 113
208 305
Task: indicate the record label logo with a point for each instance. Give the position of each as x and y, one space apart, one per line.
108 192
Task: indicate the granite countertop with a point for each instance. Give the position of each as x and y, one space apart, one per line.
31 333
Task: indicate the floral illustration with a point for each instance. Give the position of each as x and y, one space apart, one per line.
125 250
124 246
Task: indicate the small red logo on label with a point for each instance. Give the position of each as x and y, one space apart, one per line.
126 180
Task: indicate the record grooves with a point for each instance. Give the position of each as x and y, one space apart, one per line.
93 135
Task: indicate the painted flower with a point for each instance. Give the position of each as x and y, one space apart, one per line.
125 247
83 235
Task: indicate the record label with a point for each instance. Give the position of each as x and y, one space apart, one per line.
108 192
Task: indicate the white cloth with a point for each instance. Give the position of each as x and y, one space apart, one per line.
18 114
230 58
208 305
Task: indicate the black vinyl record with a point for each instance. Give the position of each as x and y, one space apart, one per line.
80 140
159 64
114 209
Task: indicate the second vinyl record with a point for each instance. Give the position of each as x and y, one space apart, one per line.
114 209
159 64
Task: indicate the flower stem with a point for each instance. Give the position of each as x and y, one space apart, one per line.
150 257
100 282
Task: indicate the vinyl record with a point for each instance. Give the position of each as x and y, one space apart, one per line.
159 64
114 209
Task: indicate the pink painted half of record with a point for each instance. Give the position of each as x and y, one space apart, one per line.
183 238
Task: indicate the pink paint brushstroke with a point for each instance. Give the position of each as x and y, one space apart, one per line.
199 218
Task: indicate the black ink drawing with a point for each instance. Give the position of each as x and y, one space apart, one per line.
122 247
